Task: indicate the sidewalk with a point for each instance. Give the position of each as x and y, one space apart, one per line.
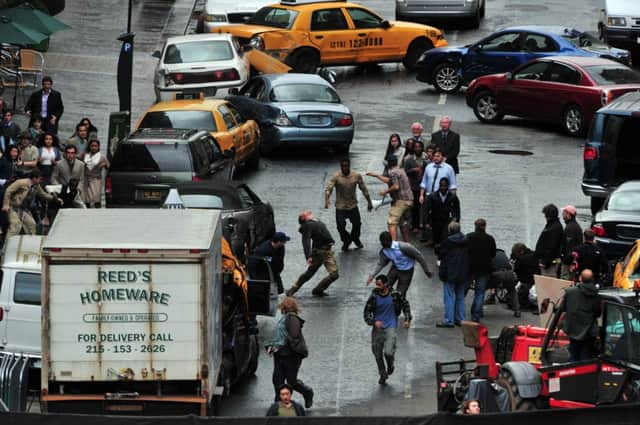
83 60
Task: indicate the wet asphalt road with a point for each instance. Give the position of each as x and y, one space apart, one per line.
509 191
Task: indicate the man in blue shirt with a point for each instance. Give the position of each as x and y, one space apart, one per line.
402 256
381 312
435 171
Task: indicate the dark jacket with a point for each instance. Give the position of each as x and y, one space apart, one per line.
273 409
54 105
572 237
407 250
454 259
274 256
482 250
8 168
589 256
400 305
10 133
442 212
581 305
450 147
525 266
314 231
549 244
295 343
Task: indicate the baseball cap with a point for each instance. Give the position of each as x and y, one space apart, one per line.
280 237
570 209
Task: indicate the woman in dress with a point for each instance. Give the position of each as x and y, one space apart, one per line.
95 161
48 156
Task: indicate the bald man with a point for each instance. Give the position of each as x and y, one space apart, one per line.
449 143
581 306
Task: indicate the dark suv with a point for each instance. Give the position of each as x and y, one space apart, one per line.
150 162
612 152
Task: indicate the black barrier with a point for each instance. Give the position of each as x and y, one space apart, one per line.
626 414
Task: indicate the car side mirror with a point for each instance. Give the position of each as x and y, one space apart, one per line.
476 48
509 76
385 24
156 54
234 91
230 227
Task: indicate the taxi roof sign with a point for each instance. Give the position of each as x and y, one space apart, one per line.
301 2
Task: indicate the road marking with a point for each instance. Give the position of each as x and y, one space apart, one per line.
454 35
436 123
408 370
340 362
443 99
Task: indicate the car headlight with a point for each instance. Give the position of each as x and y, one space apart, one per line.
216 18
283 120
167 80
616 22
257 42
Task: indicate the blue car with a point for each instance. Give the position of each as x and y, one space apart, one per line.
449 68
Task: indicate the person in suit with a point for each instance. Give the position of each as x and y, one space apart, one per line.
442 207
69 168
449 143
46 104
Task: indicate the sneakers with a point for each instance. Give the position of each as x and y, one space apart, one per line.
390 370
320 293
444 325
308 399
358 244
377 203
383 379
345 246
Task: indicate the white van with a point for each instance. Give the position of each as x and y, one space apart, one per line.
20 295
619 25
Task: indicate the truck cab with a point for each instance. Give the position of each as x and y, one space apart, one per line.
20 295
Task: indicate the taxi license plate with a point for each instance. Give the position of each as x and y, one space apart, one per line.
151 195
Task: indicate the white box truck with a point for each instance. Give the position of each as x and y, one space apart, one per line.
132 306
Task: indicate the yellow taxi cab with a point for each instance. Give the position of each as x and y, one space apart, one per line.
627 271
306 34
218 116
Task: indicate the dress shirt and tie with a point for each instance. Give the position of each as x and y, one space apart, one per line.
433 173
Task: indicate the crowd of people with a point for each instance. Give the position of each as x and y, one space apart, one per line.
36 157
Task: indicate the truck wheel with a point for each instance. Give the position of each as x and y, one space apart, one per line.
415 50
518 404
596 204
305 61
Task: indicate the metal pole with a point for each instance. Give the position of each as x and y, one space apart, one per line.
129 17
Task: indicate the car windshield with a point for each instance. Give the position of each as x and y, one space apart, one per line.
198 51
584 40
613 74
202 201
624 201
274 17
304 93
179 119
151 157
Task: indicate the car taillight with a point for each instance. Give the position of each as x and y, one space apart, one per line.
196 179
598 229
606 96
1 314
590 153
226 75
345 121
178 77
108 185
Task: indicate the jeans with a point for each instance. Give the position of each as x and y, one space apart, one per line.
383 346
403 277
353 216
453 302
478 298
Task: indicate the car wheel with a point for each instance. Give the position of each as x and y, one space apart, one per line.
305 61
415 50
483 10
446 78
485 107
573 121
596 204
254 160
475 21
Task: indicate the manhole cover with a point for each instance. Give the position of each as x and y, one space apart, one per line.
510 152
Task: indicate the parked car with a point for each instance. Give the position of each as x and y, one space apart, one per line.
567 90
246 219
450 68
150 162
612 152
627 271
226 124
306 34
617 224
429 10
311 112
199 63
225 12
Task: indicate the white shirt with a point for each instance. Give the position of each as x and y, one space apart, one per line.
49 155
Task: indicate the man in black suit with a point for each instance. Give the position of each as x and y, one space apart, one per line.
47 104
442 207
449 143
